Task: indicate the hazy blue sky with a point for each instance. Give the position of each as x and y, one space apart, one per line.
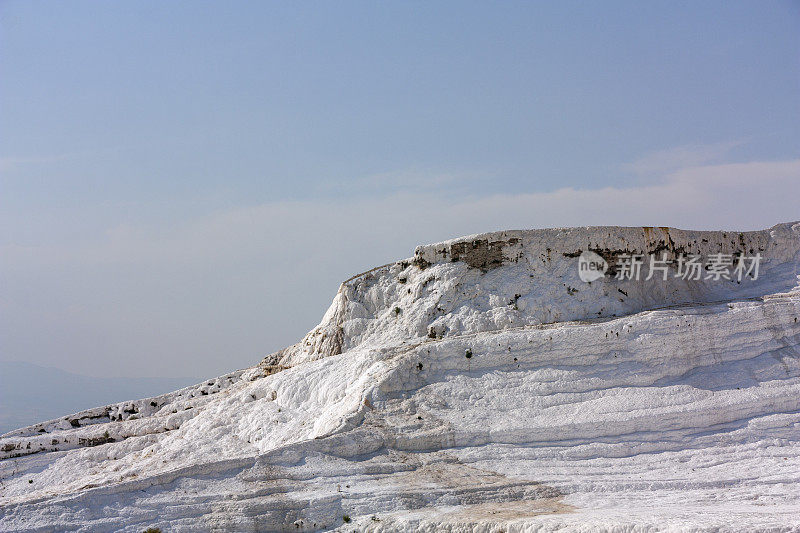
184 184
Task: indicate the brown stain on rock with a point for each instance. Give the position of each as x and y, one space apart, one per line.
510 510
481 253
480 494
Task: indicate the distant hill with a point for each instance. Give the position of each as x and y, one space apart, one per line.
30 393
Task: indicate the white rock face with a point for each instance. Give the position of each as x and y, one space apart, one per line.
478 386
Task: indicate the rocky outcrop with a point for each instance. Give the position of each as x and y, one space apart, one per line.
509 279
478 386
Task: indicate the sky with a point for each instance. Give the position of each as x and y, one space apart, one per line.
184 184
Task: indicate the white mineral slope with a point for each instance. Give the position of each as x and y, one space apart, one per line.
612 406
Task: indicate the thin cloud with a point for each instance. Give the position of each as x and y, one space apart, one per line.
383 183
663 162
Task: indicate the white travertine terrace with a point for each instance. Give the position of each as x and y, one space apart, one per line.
478 386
